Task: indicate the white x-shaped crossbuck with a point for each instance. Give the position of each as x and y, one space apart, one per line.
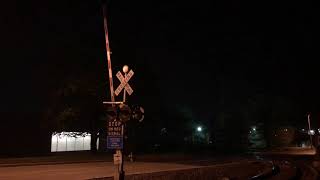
124 83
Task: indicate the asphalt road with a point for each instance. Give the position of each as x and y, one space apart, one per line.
95 169
17 170
82 170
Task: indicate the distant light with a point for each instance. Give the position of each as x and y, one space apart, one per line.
254 128
199 128
302 129
286 130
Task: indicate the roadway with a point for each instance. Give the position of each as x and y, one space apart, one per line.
78 171
87 168
37 169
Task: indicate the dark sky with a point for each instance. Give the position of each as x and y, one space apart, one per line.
185 55
200 50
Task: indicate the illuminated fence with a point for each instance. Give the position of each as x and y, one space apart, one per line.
70 141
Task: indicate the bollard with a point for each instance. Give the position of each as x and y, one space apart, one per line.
131 157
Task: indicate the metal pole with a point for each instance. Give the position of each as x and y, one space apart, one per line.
311 144
124 90
119 175
122 157
57 142
121 171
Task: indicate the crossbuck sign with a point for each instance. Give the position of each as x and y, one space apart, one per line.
124 83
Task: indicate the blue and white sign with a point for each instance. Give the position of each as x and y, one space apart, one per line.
115 142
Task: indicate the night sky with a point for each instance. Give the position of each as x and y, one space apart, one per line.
193 58
197 50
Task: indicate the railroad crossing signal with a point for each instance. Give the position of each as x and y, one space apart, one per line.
138 113
124 83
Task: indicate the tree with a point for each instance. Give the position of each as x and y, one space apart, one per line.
76 105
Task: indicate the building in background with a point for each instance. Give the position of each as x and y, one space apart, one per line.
70 141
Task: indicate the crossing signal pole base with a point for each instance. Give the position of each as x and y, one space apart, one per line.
119 175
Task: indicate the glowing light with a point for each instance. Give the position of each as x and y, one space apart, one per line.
311 132
70 141
199 128
125 68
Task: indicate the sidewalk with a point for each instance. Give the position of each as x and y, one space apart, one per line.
57 158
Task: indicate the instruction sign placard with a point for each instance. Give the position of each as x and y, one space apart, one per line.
115 142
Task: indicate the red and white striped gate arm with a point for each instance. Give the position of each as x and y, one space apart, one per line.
108 53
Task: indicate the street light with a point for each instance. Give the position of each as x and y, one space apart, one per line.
254 128
199 128
309 132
